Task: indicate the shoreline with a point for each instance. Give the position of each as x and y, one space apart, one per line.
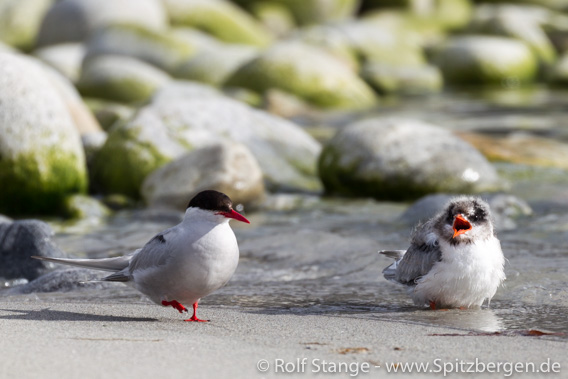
50 338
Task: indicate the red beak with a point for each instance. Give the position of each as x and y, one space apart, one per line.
461 225
236 215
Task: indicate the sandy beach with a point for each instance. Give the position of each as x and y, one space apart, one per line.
53 339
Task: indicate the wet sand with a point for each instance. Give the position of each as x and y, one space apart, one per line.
54 339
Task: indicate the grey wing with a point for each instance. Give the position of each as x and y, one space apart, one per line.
416 263
155 253
423 253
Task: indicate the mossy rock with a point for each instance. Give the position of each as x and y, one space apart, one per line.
171 127
559 73
162 49
41 157
307 72
120 78
405 80
394 159
20 21
83 207
485 60
222 19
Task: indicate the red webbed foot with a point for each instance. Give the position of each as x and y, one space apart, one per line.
194 317
180 308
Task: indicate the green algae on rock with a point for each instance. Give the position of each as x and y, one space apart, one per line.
20 21
120 78
222 19
486 60
307 72
163 49
41 157
399 159
172 126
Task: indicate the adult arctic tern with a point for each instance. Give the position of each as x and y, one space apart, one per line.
454 259
181 264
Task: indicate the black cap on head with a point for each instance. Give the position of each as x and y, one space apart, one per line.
212 201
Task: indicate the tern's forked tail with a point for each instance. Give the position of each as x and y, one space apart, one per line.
106 264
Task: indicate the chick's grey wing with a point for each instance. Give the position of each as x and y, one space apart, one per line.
417 262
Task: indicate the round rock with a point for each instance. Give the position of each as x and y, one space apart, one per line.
487 60
42 157
229 168
399 159
19 240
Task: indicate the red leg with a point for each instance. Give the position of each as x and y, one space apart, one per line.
194 317
433 305
180 308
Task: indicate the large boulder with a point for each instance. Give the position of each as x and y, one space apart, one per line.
41 158
120 78
170 127
162 49
307 72
398 159
19 240
75 20
228 167
479 60
20 21
220 18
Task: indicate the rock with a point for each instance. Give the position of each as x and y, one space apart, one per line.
219 18
479 60
165 130
399 159
92 143
42 157
19 240
20 21
108 113
65 58
83 207
83 119
162 49
64 280
307 72
75 20
521 148
5 219
216 63
448 15
275 17
183 89
524 23
504 209
406 80
229 168
559 73
120 78
313 11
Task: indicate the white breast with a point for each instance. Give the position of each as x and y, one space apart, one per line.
466 276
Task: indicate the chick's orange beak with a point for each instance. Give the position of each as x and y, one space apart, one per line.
461 225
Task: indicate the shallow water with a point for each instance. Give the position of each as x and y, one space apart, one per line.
310 255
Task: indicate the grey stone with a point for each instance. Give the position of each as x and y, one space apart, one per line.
65 58
75 20
396 159
20 240
20 21
120 78
163 131
229 168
